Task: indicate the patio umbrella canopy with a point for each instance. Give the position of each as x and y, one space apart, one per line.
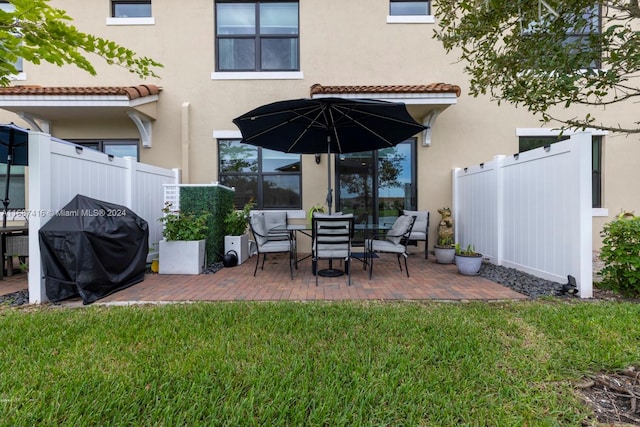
332 125
13 151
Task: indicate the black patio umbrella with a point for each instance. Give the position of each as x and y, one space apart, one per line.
332 125
13 151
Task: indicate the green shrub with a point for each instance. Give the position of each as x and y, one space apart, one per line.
621 255
236 222
183 226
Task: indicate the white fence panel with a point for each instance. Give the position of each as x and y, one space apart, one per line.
147 198
531 211
59 171
476 207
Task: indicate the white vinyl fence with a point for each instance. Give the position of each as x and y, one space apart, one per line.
531 211
59 171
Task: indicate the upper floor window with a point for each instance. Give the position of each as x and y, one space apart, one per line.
8 7
579 39
130 9
271 178
409 8
410 12
257 36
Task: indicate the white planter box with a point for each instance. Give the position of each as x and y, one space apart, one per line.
182 257
240 244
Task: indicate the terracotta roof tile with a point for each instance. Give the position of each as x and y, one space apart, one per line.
132 92
430 88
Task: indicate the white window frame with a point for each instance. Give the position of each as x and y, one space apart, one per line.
257 75
412 19
147 20
21 76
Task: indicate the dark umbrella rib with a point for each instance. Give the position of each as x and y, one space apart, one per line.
330 125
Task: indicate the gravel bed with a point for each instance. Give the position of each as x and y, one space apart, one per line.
15 299
524 283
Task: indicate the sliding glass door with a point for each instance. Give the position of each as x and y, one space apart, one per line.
377 185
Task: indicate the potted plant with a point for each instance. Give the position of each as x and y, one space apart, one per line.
183 249
236 236
468 260
445 251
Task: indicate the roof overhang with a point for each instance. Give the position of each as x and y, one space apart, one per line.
424 102
40 106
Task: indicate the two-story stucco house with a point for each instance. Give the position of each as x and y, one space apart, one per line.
223 58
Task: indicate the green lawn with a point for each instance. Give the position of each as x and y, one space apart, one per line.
434 364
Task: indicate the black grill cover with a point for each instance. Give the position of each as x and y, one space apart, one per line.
92 248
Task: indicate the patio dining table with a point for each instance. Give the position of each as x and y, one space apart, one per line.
369 230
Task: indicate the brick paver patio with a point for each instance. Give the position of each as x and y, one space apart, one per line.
427 281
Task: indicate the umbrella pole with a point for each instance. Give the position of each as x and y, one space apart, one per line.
6 201
329 192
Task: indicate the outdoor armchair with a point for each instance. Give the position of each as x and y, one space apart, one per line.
331 239
395 242
15 246
267 243
420 231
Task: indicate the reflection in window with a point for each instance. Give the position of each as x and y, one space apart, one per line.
131 9
115 147
17 190
409 8
377 185
8 7
271 178
257 36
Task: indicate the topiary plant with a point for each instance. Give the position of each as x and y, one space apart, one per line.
621 255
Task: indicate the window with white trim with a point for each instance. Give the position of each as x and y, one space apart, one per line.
257 36
410 12
8 7
409 8
130 9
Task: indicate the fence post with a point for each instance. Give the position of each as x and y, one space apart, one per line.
39 211
130 190
455 202
585 250
500 191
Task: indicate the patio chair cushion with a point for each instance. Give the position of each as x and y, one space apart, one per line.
275 219
384 246
333 241
399 228
419 230
275 246
258 224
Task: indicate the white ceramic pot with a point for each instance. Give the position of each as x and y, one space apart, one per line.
444 255
469 265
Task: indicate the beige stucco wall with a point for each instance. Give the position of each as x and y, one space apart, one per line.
342 43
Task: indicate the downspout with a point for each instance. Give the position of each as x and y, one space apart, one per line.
185 139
